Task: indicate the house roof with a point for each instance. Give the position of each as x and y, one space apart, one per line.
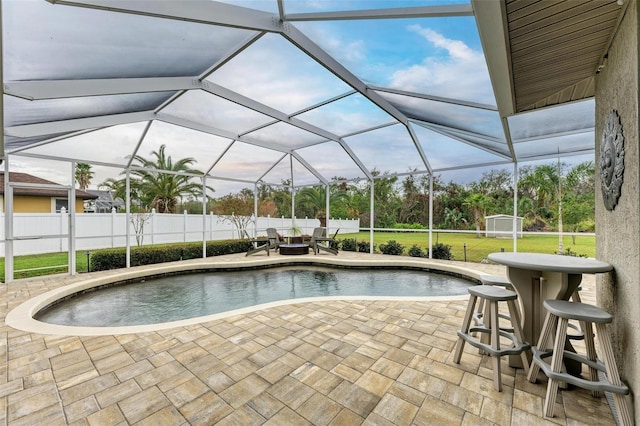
105 199
39 192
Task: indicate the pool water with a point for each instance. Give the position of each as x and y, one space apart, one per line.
178 297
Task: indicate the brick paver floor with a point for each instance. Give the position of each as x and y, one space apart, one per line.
320 363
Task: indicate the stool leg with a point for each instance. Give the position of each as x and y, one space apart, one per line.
479 314
517 330
486 322
556 366
543 342
587 329
612 374
495 344
576 297
480 309
466 324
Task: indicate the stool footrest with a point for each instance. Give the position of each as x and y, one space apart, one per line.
602 386
477 319
516 349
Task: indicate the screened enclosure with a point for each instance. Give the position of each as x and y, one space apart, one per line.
303 92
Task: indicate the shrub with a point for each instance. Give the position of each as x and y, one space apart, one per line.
408 226
364 246
569 252
349 244
441 251
392 247
102 260
416 251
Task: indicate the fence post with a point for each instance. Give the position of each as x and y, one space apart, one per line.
211 225
63 212
113 226
153 224
184 226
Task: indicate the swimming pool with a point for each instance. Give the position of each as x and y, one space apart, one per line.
179 297
22 316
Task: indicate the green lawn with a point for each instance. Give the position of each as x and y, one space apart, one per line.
476 248
48 263
479 248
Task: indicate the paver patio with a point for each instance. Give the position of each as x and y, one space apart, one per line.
321 363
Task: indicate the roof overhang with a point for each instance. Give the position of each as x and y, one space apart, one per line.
543 53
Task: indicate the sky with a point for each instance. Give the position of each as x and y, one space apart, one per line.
434 56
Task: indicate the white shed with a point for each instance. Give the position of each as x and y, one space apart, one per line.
501 226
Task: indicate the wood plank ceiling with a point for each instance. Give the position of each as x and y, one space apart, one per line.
556 48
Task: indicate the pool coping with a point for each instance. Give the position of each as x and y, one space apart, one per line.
21 317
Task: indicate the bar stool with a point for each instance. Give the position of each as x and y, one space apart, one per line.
560 312
492 295
493 280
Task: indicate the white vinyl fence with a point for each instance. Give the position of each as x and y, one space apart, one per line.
46 232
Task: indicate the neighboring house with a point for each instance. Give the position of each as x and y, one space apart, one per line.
104 203
40 200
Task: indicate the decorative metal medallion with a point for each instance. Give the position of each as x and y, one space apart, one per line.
612 160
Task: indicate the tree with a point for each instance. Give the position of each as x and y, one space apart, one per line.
281 196
453 217
578 201
236 209
414 205
83 174
541 185
447 197
162 191
151 187
386 201
478 203
312 200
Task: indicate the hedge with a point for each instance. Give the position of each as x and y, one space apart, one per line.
102 260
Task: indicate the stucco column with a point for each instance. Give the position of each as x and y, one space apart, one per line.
618 230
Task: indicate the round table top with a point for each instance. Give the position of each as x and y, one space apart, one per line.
551 262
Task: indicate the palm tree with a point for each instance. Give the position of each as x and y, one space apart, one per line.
84 174
162 191
478 203
312 200
153 187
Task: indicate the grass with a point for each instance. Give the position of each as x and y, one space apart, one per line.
44 264
476 249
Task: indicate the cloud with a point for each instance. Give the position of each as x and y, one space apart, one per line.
461 73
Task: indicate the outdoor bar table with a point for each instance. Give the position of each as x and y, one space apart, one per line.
537 277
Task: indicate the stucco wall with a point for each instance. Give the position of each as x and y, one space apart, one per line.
618 231
27 204
23 204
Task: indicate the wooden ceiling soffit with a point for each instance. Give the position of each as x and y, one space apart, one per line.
556 48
